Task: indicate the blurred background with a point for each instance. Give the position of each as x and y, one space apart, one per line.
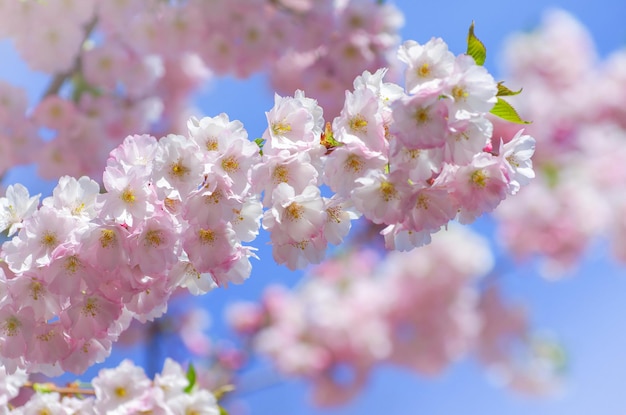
585 310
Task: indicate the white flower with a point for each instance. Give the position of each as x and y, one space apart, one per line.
15 207
516 156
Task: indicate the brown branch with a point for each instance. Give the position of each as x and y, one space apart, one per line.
59 79
63 390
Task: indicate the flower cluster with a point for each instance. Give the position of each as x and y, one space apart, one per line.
416 160
175 212
337 326
122 390
130 67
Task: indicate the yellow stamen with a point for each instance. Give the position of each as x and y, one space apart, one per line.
36 289
459 93
206 236
479 178
178 169
120 392
214 198
334 214
11 326
280 175
281 127
421 116
353 163
211 144
358 124
294 211
90 309
108 238
422 202
153 238
128 196
423 71
49 240
388 191
230 164
78 209
72 263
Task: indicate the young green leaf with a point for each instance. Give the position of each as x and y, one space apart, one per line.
191 377
327 138
260 142
506 111
222 410
43 387
503 91
551 174
475 47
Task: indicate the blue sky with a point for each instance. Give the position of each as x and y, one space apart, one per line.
587 311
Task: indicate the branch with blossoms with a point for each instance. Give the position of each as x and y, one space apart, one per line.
176 212
124 389
120 68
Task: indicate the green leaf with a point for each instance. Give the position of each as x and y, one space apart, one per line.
222 410
43 387
191 377
506 92
475 47
506 111
81 86
551 174
327 138
260 142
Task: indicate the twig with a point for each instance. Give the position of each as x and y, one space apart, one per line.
59 79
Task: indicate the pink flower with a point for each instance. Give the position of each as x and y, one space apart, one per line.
295 124
339 216
214 135
90 316
380 196
155 245
207 247
49 344
470 88
128 196
201 402
178 168
15 207
361 119
106 246
75 197
118 386
295 169
16 327
294 216
479 187
348 163
420 121
428 65
517 153
55 112
42 233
